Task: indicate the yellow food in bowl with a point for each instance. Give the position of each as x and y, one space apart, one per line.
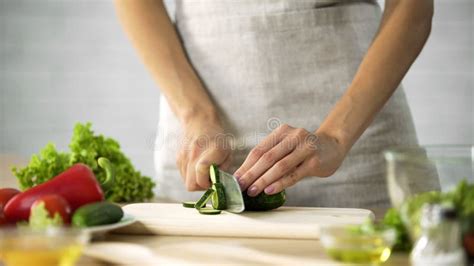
49 247
344 244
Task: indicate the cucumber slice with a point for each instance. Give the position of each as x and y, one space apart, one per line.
219 201
204 199
189 204
214 174
209 211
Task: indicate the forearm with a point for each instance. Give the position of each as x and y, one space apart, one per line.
404 30
154 37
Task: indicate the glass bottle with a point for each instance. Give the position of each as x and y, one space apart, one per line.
440 242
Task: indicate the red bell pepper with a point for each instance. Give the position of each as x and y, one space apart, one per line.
54 205
6 194
78 185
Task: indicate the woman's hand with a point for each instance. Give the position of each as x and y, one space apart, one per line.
286 156
204 144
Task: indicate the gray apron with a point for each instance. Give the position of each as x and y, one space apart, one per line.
269 62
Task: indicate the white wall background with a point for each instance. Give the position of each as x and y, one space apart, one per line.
440 84
64 61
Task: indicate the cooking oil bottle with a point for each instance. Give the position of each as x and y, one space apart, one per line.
440 242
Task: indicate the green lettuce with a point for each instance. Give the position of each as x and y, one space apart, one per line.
86 147
461 198
409 214
41 219
392 219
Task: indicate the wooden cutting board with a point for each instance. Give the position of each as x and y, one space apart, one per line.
284 222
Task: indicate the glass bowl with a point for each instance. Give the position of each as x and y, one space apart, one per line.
347 244
413 170
53 246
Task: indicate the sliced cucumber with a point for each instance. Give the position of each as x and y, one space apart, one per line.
209 211
204 199
214 174
189 204
219 201
216 193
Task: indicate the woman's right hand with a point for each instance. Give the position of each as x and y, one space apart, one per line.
204 143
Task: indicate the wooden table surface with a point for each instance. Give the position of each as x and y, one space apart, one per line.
112 248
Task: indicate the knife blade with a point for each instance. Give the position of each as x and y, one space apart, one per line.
233 194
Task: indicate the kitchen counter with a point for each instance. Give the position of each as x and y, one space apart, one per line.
211 250
154 250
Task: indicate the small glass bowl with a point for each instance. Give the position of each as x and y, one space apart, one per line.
413 170
347 244
52 246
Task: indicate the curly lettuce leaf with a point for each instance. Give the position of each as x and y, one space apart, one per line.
130 185
411 210
41 219
461 198
392 219
42 167
86 147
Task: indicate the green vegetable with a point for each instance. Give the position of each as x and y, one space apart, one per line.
461 198
219 201
42 167
264 202
410 210
40 218
86 147
209 211
189 204
109 180
98 213
214 174
393 220
204 199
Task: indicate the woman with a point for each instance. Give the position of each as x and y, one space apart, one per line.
307 90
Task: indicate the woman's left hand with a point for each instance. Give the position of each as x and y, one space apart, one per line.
285 157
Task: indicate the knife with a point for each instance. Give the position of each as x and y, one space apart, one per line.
233 194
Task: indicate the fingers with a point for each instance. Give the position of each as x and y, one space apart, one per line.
288 180
208 157
181 164
225 166
264 146
278 170
193 164
270 159
191 182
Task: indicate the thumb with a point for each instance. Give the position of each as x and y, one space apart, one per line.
210 156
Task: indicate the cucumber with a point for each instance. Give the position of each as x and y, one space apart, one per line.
209 211
189 204
214 174
219 201
98 213
264 202
204 199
